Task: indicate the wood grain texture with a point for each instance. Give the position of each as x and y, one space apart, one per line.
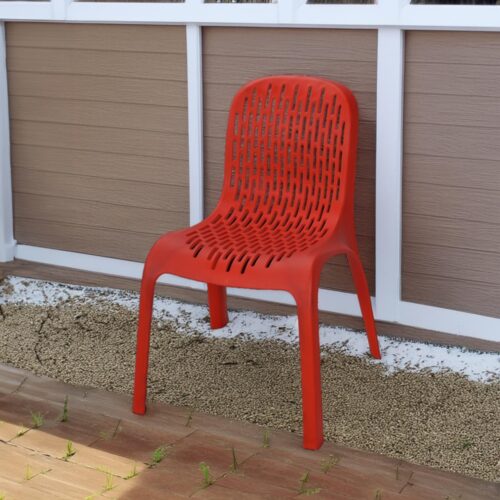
120 192
274 43
460 294
359 76
460 172
145 117
473 111
119 244
453 47
457 203
452 141
98 88
453 79
471 235
147 65
451 189
99 135
101 164
112 37
231 57
101 214
99 138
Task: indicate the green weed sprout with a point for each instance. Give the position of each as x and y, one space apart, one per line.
36 419
207 476
304 489
64 415
70 451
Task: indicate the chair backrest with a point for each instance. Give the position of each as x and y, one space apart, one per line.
291 148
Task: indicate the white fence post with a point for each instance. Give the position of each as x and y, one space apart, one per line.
59 8
7 242
388 212
195 121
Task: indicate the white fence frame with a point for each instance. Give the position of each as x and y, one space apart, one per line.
390 17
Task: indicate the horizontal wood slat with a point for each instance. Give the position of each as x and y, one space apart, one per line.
337 276
472 235
98 88
469 296
272 43
451 188
116 115
448 47
126 245
116 191
452 141
477 205
231 57
453 79
100 214
146 65
101 164
472 111
103 139
459 172
109 37
359 76
450 262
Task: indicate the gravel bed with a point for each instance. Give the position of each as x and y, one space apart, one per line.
439 420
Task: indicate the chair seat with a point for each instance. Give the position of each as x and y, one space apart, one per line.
232 246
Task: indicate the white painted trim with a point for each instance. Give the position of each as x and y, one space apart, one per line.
416 315
195 121
389 170
450 321
59 9
7 242
173 13
95 264
26 11
384 13
450 17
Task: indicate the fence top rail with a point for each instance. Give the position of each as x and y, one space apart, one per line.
281 13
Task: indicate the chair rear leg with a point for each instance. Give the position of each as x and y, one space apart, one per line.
217 305
312 412
365 303
143 336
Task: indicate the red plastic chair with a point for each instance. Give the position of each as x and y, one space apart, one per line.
287 206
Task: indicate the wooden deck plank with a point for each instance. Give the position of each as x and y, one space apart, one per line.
111 443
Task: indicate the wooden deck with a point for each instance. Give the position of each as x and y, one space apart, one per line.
111 454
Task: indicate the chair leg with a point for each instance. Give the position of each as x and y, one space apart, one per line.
217 304
365 304
143 336
312 412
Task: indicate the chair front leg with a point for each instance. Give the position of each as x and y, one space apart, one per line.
217 305
143 338
312 412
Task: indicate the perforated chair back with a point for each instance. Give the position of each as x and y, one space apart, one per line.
289 164
287 146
